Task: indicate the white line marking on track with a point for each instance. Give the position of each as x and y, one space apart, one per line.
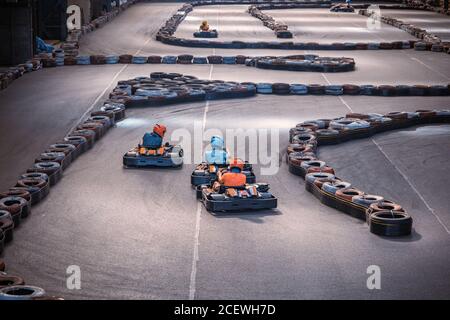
412 187
428 67
405 177
196 256
92 106
193 280
98 98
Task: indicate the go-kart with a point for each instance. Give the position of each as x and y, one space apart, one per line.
206 34
249 197
206 173
342 7
166 156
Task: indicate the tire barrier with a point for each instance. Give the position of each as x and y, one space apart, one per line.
52 169
385 218
15 206
6 226
281 29
310 63
428 41
169 88
24 194
426 5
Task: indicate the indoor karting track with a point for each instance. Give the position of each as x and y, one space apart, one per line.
142 234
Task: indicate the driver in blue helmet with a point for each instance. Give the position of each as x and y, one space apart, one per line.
218 155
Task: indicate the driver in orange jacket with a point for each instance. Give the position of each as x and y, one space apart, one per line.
204 26
234 178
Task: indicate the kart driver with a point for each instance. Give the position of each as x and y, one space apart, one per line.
234 178
204 26
218 154
154 140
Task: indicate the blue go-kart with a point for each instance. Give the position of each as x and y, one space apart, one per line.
166 156
206 34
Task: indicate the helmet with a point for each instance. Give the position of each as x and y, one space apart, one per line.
217 142
160 130
205 23
237 163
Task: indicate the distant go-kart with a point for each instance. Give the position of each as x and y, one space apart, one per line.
249 197
342 7
206 174
166 156
206 34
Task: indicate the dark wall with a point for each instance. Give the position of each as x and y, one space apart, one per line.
100 5
16 32
51 19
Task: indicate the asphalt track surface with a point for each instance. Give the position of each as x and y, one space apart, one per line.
438 25
142 234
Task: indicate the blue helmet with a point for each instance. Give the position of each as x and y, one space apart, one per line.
217 142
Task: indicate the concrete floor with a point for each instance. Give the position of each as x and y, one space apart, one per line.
134 233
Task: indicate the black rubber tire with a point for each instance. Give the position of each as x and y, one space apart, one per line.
8 281
52 169
6 225
15 206
390 223
21 292
26 211
79 142
38 188
2 241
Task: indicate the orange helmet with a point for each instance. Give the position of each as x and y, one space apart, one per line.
237 163
160 130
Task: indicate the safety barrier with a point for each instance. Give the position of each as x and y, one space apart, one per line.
426 5
281 29
384 217
312 63
168 88
429 42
